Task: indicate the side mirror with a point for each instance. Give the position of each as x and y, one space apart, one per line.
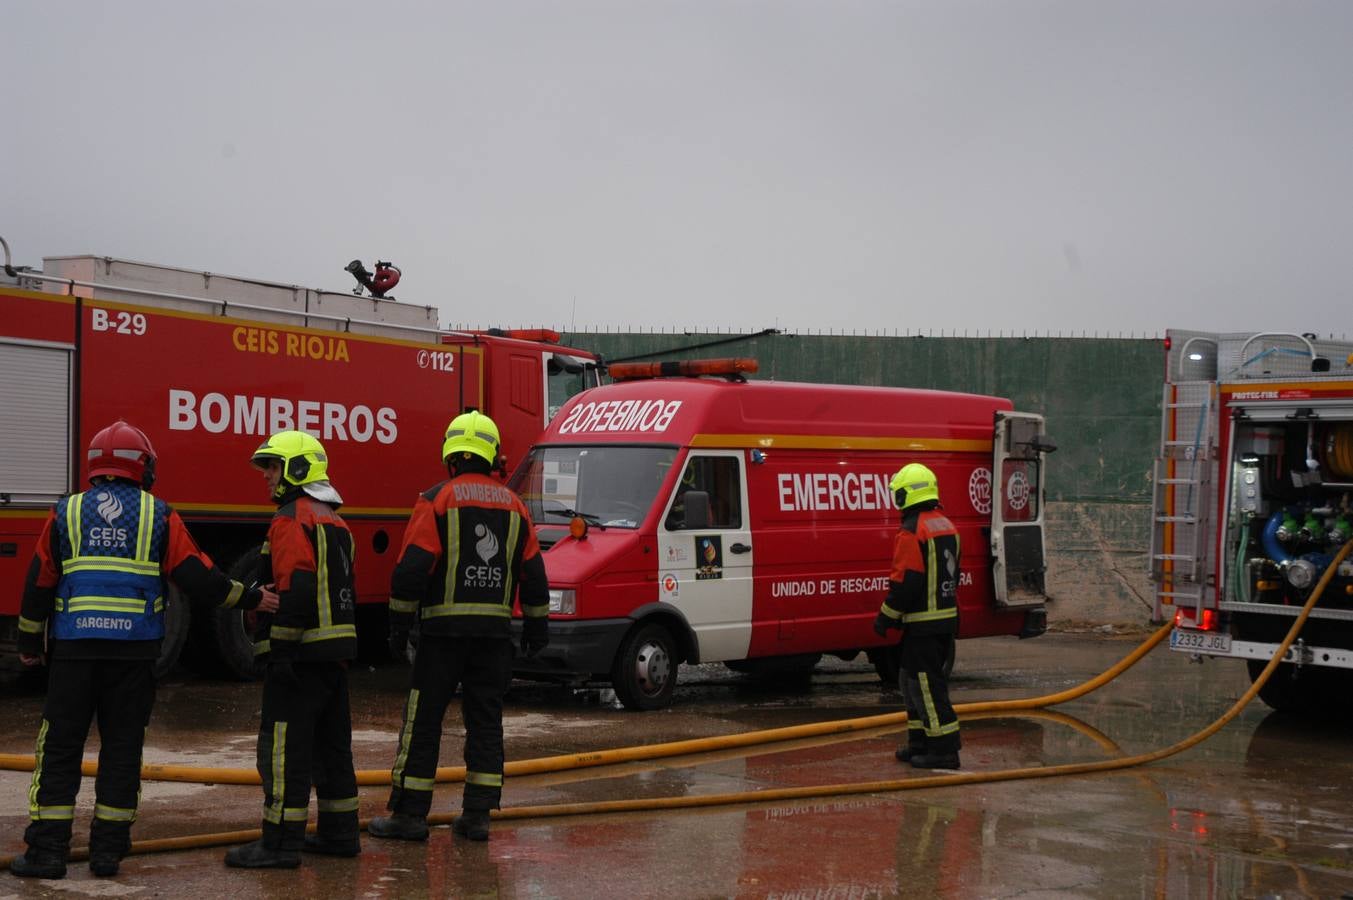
697 509
1320 364
1043 444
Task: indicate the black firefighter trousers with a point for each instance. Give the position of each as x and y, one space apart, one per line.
482 666
932 724
305 738
119 693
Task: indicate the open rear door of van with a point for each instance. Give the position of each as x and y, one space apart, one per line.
1018 559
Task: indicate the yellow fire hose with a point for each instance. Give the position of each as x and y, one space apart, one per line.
451 774
800 793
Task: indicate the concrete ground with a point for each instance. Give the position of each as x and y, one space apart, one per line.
1260 810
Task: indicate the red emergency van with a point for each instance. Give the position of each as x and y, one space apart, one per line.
700 519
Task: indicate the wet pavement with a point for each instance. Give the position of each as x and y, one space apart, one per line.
1260 810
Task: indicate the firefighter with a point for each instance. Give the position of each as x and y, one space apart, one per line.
468 548
97 587
305 733
922 601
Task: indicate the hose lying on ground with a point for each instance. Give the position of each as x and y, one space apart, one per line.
835 790
451 774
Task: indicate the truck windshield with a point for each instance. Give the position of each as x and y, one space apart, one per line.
568 375
616 485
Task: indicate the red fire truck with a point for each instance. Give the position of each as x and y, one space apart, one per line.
1253 497
700 517
207 365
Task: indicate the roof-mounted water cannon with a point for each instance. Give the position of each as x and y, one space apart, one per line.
733 369
379 284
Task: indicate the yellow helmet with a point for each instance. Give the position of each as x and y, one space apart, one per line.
472 432
303 459
913 484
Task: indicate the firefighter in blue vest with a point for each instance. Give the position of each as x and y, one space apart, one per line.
305 732
469 549
96 589
923 601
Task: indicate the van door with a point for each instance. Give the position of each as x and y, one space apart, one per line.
1017 551
705 553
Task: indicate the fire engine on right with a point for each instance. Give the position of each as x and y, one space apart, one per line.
1253 497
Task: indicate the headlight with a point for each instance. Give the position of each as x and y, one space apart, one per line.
564 602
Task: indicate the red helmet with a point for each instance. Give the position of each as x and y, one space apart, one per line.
122 451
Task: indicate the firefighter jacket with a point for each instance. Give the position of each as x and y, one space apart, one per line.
99 571
468 548
923 584
309 556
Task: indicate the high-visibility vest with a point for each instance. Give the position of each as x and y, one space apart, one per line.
111 540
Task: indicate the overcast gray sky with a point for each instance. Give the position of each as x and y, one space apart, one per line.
1050 166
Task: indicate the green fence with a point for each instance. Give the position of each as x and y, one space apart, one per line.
1100 396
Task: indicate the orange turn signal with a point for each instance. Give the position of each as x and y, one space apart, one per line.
577 527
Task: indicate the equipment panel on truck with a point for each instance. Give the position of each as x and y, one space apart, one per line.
1253 497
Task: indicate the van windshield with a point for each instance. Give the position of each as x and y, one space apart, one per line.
610 486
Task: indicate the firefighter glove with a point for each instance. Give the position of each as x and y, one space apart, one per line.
535 636
882 622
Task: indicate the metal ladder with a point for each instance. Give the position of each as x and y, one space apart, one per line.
1182 495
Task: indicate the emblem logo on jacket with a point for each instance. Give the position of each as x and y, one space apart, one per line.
487 575
950 583
109 509
487 545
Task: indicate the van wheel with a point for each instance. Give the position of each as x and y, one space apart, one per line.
948 668
645 672
887 662
177 619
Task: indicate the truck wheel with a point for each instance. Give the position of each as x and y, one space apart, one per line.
1290 690
233 629
177 619
645 671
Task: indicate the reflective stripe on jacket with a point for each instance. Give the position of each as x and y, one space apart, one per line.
309 555
468 548
923 583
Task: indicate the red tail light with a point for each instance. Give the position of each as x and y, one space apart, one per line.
1208 622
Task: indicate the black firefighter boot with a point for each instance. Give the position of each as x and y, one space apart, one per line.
915 747
933 760
260 856
109 842
330 846
36 863
472 824
400 826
